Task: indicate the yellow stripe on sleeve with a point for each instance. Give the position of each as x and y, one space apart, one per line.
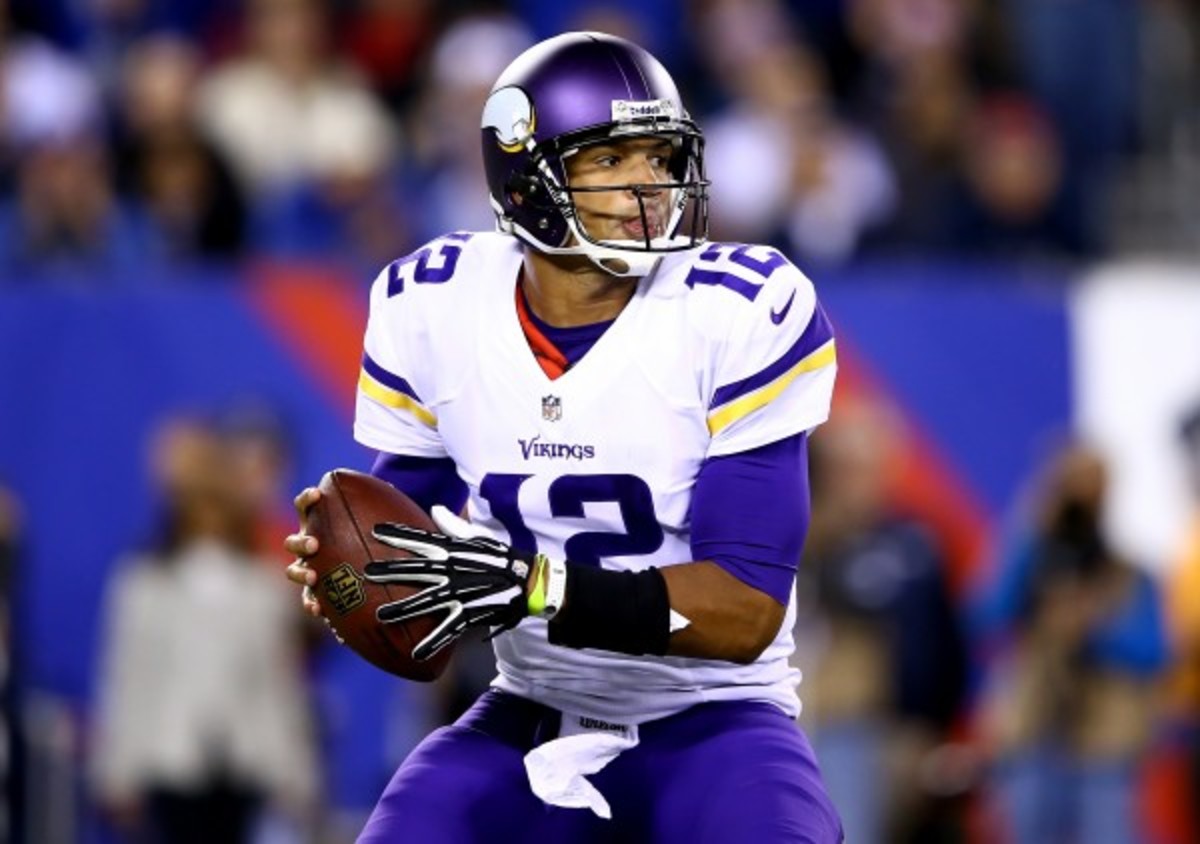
732 412
394 398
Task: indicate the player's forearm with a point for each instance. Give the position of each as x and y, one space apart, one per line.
728 620
629 612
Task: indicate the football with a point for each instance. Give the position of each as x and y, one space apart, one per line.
351 504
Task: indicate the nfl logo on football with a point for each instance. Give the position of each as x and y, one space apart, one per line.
551 408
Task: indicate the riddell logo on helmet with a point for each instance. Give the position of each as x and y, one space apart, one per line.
623 110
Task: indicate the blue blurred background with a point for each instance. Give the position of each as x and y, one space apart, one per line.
999 203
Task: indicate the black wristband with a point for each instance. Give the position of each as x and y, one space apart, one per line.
622 611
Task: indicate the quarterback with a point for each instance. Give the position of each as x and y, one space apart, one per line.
607 416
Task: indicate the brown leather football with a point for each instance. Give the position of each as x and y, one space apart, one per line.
351 504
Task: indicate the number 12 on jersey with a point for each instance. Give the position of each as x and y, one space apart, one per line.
568 495
715 266
432 264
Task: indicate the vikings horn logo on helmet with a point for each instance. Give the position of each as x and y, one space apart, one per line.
509 113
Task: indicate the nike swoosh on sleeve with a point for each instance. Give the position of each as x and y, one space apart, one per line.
778 316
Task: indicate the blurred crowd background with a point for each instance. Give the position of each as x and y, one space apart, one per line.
999 201
172 131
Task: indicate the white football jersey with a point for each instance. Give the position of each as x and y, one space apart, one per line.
717 352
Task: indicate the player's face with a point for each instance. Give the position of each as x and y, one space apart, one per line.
616 214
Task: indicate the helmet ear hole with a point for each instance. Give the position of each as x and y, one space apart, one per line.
523 188
517 188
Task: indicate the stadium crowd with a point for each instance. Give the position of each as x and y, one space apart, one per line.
174 131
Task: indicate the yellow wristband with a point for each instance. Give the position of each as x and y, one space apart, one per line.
536 601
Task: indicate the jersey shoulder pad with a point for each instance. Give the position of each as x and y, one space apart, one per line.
427 306
728 285
767 348
443 267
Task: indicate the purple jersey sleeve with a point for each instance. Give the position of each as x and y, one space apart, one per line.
426 480
750 514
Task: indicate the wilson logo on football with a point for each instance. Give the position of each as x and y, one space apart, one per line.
343 588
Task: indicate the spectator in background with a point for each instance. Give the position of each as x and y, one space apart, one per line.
201 726
167 164
750 142
978 173
881 648
1012 202
62 213
784 167
826 27
287 110
307 138
898 38
259 449
388 39
1071 698
921 125
1063 49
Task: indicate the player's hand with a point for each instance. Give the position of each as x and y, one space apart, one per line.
471 578
302 546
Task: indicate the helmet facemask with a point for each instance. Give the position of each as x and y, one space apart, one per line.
552 102
546 187
662 205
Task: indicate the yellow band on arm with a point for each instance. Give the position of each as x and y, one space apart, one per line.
536 600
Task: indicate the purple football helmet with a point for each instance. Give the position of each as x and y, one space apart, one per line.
565 93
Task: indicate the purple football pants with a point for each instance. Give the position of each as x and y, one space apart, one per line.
718 773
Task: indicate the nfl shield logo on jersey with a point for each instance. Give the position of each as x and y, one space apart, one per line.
551 408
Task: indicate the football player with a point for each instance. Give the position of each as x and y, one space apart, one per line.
622 408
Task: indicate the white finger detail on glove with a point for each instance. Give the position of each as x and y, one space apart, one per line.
425 550
450 569
452 524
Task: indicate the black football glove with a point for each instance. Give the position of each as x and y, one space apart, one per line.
474 580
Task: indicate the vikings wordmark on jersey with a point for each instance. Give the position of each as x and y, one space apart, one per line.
722 348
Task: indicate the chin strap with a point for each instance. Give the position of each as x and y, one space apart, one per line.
619 262
633 261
